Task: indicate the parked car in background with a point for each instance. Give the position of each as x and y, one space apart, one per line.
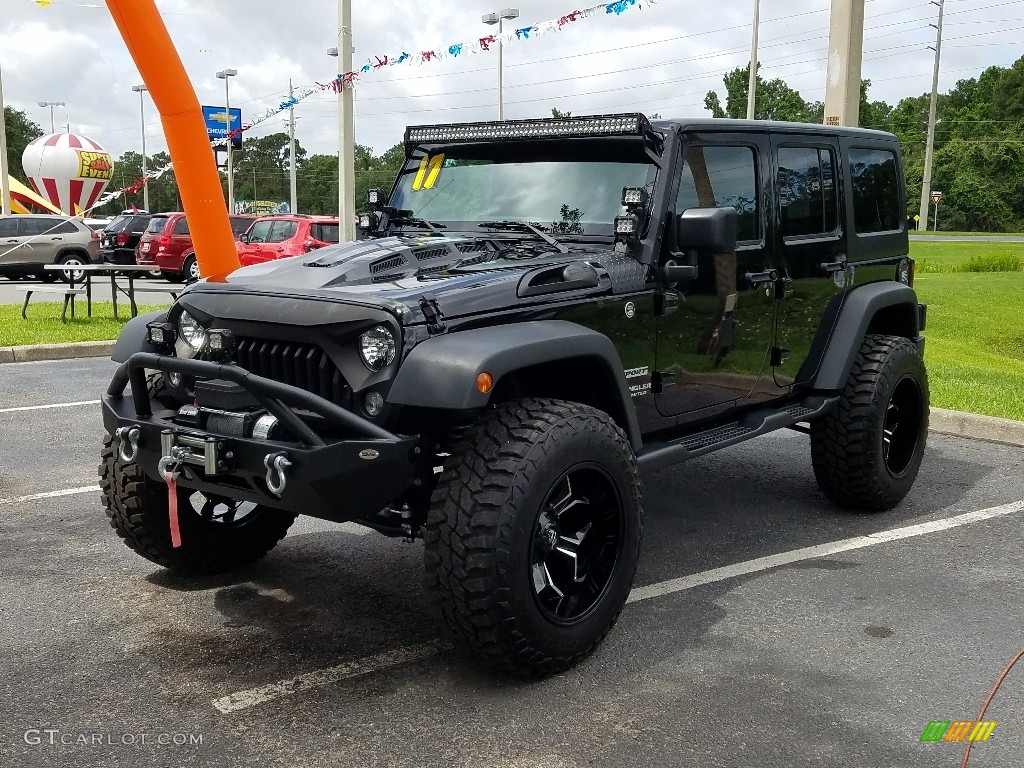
166 244
30 241
120 239
283 235
97 224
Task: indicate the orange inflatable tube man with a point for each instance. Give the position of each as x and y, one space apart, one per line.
195 167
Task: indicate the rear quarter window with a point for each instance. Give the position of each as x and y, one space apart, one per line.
876 191
181 226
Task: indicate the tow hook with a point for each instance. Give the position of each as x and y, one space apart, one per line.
128 449
276 464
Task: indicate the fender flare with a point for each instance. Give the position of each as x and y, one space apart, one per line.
441 371
133 339
859 310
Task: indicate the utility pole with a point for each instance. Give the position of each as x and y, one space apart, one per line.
346 130
845 52
752 84
141 89
926 182
5 188
291 150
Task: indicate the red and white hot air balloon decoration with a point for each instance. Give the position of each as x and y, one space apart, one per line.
70 171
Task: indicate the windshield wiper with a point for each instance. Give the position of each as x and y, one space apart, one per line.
514 226
400 219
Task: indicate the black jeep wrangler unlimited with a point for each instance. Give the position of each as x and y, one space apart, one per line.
540 309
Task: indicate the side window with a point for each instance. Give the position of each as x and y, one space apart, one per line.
282 231
31 227
9 227
327 233
260 231
181 227
807 191
876 204
719 176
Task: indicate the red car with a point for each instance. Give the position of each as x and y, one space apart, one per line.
289 234
167 245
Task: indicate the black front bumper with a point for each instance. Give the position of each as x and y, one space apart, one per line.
337 479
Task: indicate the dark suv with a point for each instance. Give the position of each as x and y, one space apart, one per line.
120 238
542 308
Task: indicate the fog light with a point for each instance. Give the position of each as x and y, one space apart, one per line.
367 221
220 340
373 403
375 197
160 334
175 379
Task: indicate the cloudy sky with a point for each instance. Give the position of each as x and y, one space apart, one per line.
662 58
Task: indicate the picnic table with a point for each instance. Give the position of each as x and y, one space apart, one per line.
88 272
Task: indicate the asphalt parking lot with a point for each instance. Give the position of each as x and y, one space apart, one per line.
326 653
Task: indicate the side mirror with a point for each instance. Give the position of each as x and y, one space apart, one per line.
712 230
243 238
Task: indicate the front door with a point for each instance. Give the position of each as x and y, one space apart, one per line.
13 249
43 237
812 245
714 340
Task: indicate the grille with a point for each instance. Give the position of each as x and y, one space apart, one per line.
299 365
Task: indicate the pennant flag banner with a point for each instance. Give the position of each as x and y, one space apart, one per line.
376 63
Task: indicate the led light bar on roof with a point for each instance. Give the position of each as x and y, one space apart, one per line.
600 125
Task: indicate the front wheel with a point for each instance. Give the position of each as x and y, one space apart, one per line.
534 533
867 453
190 269
217 534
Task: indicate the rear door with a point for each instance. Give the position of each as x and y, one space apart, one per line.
811 242
181 241
43 236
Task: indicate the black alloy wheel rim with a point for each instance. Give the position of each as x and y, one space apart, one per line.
577 544
901 427
222 512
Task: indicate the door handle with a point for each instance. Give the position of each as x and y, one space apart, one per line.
12 242
831 267
757 278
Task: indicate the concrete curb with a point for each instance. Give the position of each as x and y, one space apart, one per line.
30 353
978 427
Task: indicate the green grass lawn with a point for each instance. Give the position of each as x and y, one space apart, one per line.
975 341
955 257
43 325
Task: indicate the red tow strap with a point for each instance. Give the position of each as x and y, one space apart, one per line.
172 508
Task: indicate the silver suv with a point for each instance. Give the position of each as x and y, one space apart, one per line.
27 242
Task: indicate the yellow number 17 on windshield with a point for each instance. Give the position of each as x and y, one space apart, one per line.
426 176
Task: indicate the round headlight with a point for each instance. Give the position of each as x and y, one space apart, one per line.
190 331
377 348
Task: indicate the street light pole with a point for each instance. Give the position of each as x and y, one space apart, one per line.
140 89
496 18
51 105
291 152
224 75
752 83
5 189
926 182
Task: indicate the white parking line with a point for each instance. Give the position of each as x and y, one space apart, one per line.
50 494
389 659
50 405
322 677
821 550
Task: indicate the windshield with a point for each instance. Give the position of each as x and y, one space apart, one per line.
118 223
568 192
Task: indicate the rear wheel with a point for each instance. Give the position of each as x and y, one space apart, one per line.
534 532
217 534
69 262
867 453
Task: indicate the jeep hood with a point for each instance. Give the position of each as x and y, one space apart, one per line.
464 276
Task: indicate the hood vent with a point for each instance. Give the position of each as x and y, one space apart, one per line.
385 264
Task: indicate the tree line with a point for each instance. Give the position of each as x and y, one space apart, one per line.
978 162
